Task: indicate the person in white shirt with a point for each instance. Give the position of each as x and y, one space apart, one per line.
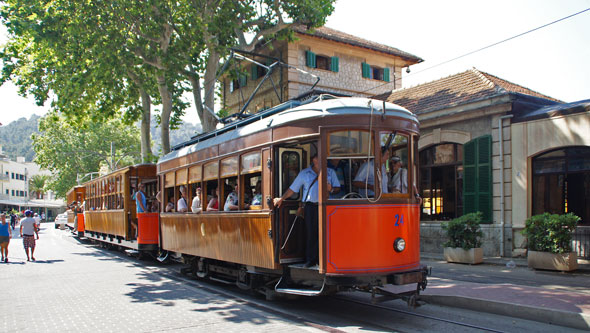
37 220
182 204
196 205
28 229
365 177
399 179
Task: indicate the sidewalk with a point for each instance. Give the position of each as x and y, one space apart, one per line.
550 297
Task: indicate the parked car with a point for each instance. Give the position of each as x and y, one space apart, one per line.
61 220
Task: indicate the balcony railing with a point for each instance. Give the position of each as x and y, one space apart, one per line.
4 177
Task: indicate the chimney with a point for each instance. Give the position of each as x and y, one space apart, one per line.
20 159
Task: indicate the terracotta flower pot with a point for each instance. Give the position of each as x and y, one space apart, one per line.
457 254
553 261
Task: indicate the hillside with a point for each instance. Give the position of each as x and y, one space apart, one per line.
15 137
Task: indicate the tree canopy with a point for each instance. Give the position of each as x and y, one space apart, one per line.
95 59
68 151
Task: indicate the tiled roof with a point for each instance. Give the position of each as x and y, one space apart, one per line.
339 36
461 88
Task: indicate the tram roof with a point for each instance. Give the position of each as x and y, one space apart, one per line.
289 112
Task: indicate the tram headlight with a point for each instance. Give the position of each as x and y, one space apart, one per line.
399 245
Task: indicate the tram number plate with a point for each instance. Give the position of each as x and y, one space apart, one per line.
399 219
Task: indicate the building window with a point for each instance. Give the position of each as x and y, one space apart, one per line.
7 192
239 82
12 175
441 173
313 60
12 193
561 182
374 72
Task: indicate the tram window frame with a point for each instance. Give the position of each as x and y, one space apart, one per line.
181 180
211 176
250 168
195 173
388 140
356 158
169 180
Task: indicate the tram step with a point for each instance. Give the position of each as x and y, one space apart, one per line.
283 287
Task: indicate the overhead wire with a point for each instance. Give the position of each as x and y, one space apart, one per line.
478 50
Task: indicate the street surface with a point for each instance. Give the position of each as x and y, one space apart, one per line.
79 287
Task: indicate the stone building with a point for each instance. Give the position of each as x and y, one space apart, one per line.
344 64
493 146
14 188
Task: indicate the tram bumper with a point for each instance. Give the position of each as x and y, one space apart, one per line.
418 275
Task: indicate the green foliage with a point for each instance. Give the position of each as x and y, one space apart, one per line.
464 231
550 232
15 137
37 184
68 150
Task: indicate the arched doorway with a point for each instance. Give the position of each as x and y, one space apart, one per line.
561 182
441 181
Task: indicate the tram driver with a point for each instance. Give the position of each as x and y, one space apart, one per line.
307 179
365 177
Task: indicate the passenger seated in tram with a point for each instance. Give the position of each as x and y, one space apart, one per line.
170 205
214 202
399 176
365 178
182 204
196 204
232 201
257 200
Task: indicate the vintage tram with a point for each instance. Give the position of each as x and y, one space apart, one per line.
368 228
110 213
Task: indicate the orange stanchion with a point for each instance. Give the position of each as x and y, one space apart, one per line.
80 222
148 228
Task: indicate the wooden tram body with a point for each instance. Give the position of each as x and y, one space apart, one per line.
262 247
110 211
75 194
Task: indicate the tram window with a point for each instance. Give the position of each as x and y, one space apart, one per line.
290 166
211 195
196 191
169 199
233 198
253 190
396 145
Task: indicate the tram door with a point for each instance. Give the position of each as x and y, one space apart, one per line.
291 228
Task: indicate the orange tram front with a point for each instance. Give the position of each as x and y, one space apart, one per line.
368 228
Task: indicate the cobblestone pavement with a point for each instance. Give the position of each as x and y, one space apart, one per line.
76 287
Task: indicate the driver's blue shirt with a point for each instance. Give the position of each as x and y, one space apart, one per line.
306 177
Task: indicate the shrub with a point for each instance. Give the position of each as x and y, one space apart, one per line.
464 231
550 232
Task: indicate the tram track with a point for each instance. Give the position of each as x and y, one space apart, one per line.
410 313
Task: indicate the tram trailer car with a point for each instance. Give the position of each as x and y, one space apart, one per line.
367 239
110 212
75 194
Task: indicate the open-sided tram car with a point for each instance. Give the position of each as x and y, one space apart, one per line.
75 194
366 240
110 213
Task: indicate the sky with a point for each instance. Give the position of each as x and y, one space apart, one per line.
554 60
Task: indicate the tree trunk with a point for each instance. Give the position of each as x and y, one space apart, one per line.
196 84
209 122
146 149
166 112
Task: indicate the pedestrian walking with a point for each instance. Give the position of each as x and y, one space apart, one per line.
28 229
13 219
5 236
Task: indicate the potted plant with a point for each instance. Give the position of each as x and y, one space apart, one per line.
464 244
549 238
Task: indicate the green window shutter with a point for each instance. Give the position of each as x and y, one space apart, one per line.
366 70
386 74
243 80
469 177
484 175
310 59
334 64
477 177
253 72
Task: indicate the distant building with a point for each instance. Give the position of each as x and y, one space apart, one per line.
345 65
15 191
493 146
